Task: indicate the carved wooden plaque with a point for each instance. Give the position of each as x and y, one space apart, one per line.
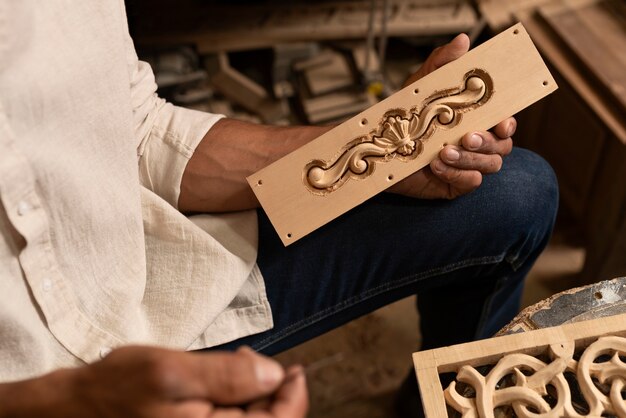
574 370
403 133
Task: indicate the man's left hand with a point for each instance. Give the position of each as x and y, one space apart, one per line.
458 169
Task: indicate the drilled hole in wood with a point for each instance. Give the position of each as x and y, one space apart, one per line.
516 31
597 295
390 177
545 83
416 91
363 122
289 235
259 183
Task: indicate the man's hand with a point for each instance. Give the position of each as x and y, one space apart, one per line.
459 168
215 177
143 382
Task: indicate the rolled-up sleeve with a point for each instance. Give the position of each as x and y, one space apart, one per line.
166 135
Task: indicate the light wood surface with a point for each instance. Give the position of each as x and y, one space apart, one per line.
560 341
518 76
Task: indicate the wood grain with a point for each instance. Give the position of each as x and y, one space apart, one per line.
519 79
597 40
264 25
555 52
430 363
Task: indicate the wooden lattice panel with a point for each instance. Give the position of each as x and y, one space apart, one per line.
573 370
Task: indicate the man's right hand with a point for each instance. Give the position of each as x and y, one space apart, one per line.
134 382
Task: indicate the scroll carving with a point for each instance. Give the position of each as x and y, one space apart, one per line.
535 388
400 134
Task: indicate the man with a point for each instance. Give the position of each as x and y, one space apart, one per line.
98 265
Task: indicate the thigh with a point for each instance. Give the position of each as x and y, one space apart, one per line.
472 251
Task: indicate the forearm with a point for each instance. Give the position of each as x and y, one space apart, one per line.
48 396
215 177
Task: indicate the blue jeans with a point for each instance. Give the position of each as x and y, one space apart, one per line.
465 258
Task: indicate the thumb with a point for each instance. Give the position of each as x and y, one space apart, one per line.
441 56
236 378
450 51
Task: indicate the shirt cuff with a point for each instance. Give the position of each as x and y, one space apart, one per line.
171 143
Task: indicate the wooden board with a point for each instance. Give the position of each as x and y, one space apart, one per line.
544 355
501 13
332 75
556 52
597 39
242 90
265 25
400 135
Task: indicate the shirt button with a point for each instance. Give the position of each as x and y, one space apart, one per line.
105 351
23 208
46 284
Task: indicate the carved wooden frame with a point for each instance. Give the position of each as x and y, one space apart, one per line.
403 133
534 363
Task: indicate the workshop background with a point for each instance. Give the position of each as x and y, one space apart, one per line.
295 62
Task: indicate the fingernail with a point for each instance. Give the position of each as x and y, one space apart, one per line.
269 373
452 154
510 130
294 372
475 141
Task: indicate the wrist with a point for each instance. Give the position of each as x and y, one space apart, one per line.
48 396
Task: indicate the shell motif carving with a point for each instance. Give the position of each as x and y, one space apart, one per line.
537 389
400 134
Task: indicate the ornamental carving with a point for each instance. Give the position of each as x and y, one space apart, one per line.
400 134
563 384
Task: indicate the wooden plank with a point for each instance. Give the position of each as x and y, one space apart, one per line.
513 76
366 61
336 105
240 89
431 392
500 13
334 74
598 41
555 54
251 27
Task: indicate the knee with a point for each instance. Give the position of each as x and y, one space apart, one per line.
532 185
529 197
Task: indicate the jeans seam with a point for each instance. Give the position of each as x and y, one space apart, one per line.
487 308
320 315
515 262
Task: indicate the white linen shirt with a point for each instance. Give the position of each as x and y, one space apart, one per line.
93 252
